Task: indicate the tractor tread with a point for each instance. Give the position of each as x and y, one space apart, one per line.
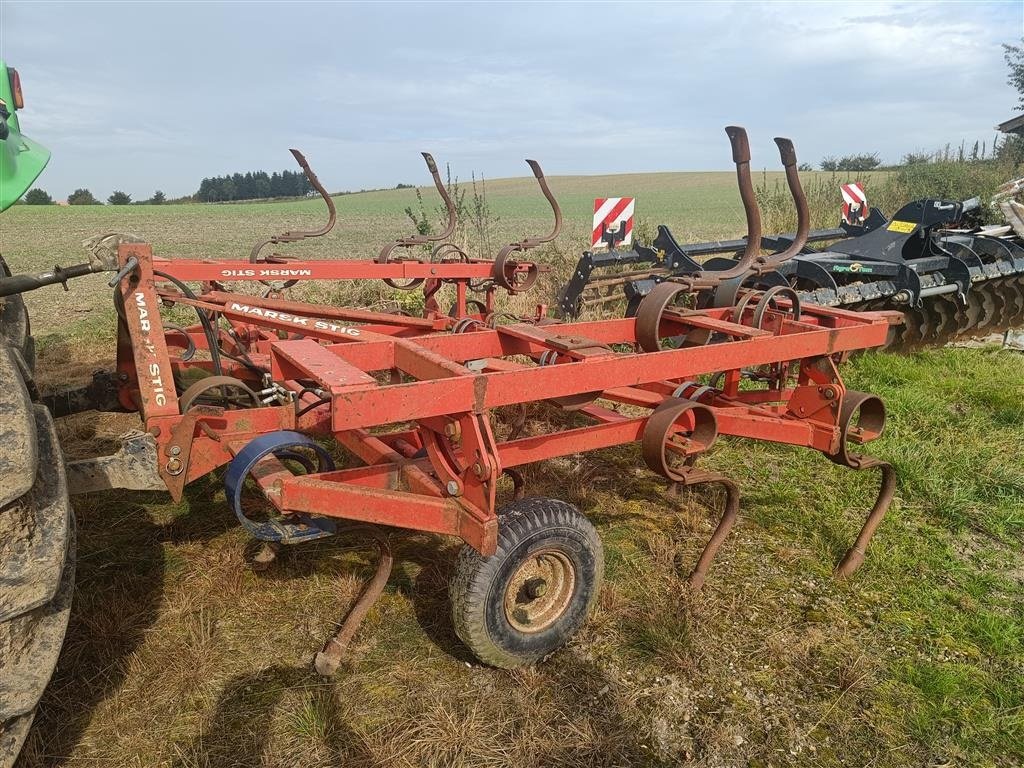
34 530
19 453
30 645
13 733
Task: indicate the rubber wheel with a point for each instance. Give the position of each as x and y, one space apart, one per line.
530 597
37 554
15 330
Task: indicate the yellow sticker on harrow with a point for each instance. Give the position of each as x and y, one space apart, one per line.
906 227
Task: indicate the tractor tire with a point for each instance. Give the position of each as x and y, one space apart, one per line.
37 550
15 330
530 597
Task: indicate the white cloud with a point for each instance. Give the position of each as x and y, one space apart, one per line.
592 88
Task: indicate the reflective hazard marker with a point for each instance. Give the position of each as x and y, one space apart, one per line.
613 222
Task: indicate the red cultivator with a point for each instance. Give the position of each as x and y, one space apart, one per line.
331 419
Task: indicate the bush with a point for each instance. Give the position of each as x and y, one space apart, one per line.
38 197
82 197
1011 150
945 180
865 161
158 198
119 198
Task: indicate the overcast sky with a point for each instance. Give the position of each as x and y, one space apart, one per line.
140 96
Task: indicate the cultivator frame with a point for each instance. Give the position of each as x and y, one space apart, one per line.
410 407
410 400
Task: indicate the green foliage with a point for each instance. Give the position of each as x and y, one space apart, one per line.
916 158
823 199
945 179
1014 55
1011 150
119 198
865 161
253 185
419 216
158 198
38 196
475 221
481 218
82 197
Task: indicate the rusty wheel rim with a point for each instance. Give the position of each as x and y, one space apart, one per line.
540 591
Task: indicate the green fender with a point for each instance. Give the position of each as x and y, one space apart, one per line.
21 159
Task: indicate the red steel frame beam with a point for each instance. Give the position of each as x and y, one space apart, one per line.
192 270
456 375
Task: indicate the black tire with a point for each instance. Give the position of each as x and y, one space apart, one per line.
501 606
15 329
37 554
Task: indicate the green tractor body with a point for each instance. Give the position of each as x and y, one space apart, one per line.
21 159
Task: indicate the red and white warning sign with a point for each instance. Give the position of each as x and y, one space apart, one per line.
855 203
613 221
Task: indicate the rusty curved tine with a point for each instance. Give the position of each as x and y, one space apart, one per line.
330 658
418 239
505 262
869 413
728 520
291 237
803 215
533 242
442 190
854 556
648 315
740 156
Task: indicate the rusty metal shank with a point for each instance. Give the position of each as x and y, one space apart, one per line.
506 263
291 237
803 215
330 658
648 316
532 242
418 239
741 157
729 515
861 419
855 554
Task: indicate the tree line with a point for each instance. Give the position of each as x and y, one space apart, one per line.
83 196
254 185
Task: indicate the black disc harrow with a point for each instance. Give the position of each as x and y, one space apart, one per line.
950 277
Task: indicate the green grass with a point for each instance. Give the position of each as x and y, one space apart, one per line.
178 655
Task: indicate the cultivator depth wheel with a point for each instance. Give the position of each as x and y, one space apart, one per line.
530 597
